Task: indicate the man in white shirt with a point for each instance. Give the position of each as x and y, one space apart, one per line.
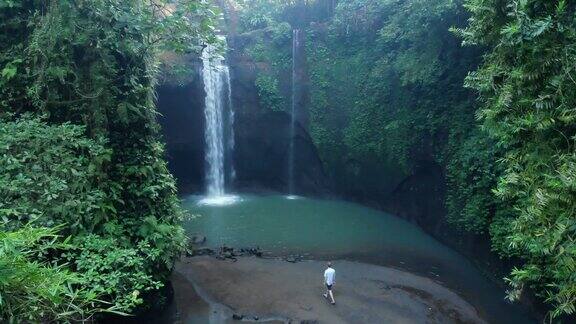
329 280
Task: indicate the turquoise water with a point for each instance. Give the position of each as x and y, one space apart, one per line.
304 225
330 229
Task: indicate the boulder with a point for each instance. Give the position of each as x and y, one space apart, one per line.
224 249
198 239
201 251
290 259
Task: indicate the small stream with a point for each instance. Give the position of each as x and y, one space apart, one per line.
331 229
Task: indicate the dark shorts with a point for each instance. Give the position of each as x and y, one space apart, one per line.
329 286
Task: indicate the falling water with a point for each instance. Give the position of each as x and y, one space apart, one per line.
219 121
295 46
230 135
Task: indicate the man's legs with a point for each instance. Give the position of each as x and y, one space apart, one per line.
329 294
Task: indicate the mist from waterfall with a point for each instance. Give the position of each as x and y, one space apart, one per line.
295 46
219 133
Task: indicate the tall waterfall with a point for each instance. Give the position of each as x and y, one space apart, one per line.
219 132
295 47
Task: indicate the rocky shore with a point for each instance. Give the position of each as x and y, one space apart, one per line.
239 285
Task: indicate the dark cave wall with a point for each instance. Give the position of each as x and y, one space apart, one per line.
262 156
263 135
182 121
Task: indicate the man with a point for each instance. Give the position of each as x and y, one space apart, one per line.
329 279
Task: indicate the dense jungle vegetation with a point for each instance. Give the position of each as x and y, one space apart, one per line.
89 217
484 88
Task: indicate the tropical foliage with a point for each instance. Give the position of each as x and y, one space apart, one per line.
80 149
33 290
528 95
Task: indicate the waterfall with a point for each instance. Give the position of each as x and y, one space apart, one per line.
219 132
295 47
230 135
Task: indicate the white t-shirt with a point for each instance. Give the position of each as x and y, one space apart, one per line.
329 276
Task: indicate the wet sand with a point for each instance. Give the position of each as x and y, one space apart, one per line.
272 288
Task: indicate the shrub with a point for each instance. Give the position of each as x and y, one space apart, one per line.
55 176
52 174
34 291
